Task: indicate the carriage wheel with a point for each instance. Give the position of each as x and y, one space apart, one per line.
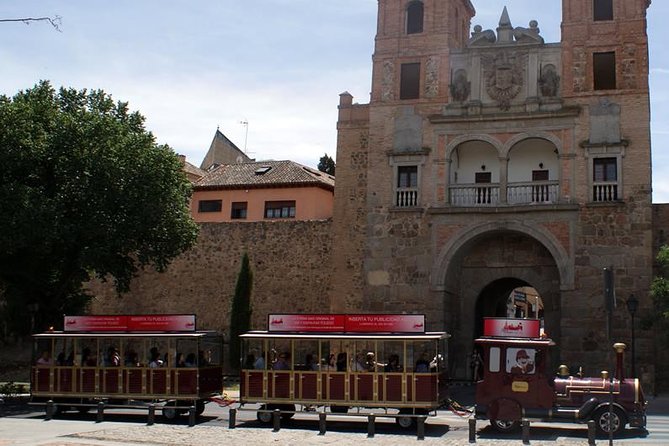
169 411
505 426
264 417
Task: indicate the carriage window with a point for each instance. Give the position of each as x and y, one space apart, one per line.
280 355
131 351
186 353
64 351
494 361
209 352
364 357
43 352
391 356
520 361
254 354
306 355
422 354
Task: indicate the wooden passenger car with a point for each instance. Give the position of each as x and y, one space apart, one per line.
117 365
403 374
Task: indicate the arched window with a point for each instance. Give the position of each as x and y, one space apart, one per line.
415 17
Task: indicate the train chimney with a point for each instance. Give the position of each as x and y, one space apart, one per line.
619 347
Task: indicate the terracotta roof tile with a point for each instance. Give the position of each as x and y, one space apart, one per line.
264 174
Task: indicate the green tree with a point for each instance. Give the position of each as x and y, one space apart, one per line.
327 165
659 291
240 313
85 192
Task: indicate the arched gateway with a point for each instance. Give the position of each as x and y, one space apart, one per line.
482 267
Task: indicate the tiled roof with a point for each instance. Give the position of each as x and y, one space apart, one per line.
193 170
264 174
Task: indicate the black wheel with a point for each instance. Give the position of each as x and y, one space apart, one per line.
264 415
405 422
339 409
605 421
505 426
170 412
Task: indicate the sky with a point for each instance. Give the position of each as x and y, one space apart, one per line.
192 66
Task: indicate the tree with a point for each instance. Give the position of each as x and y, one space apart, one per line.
659 291
240 314
85 191
327 165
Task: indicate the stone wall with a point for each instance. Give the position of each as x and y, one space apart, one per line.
290 262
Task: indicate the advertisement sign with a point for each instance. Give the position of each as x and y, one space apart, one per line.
511 328
153 322
349 323
394 323
324 323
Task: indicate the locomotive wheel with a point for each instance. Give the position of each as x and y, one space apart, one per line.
615 422
264 417
505 426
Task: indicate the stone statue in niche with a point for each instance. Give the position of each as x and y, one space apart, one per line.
549 82
460 86
480 37
504 77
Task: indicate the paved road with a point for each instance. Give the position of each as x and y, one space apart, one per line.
22 425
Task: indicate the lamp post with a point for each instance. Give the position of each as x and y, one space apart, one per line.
632 305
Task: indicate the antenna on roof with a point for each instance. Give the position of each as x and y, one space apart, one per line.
245 123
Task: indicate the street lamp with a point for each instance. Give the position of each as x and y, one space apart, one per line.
632 305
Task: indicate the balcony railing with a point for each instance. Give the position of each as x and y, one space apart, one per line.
406 197
517 193
605 191
475 194
533 192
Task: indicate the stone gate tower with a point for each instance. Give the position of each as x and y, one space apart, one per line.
488 160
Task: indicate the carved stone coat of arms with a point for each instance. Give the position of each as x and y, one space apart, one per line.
504 77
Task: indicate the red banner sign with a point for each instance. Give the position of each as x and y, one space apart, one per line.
511 328
148 323
350 323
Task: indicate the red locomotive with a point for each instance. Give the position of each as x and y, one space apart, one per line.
516 384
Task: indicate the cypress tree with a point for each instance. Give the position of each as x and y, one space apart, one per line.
240 314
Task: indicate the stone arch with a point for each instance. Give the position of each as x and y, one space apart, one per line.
452 145
467 235
508 145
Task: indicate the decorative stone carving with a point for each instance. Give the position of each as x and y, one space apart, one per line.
504 76
528 35
388 81
432 77
480 37
549 82
460 86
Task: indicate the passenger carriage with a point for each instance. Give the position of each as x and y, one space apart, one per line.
345 364
127 361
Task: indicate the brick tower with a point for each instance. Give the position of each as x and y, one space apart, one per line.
490 164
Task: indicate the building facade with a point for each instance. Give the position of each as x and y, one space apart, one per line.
491 160
262 191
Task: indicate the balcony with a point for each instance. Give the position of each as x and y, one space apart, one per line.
490 194
605 191
406 197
